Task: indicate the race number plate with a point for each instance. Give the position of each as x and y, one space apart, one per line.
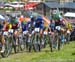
5 33
10 30
25 32
37 29
45 33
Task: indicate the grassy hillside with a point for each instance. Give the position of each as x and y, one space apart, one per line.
66 54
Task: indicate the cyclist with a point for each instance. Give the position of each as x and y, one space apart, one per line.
60 28
2 40
39 26
15 27
56 27
2 37
39 23
31 24
24 27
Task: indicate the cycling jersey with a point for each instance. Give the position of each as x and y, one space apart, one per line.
39 23
15 26
52 26
1 26
6 28
30 26
57 23
10 26
24 27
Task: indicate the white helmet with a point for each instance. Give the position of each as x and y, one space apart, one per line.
58 28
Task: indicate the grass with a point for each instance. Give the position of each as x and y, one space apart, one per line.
66 54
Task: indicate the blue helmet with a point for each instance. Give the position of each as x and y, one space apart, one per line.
31 16
39 18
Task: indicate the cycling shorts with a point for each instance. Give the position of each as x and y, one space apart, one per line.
41 26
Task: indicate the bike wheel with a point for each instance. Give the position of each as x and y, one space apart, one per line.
30 47
38 42
8 49
35 47
29 44
26 42
59 42
45 41
51 43
21 45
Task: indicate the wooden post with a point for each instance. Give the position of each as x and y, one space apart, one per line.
44 10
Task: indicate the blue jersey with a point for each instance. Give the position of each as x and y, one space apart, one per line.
1 26
24 27
39 23
30 25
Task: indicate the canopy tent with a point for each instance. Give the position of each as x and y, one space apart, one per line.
69 14
29 6
17 4
71 21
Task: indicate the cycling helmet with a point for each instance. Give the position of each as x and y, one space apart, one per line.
39 19
31 16
58 28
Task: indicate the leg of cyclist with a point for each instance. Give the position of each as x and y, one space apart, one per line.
4 26
16 35
3 44
41 38
41 35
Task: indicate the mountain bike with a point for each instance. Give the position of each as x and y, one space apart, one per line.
7 50
21 42
37 40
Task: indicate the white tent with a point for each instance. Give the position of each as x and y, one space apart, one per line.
69 14
17 4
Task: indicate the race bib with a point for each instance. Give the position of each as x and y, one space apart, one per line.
25 32
10 30
68 31
5 33
37 29
45 33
